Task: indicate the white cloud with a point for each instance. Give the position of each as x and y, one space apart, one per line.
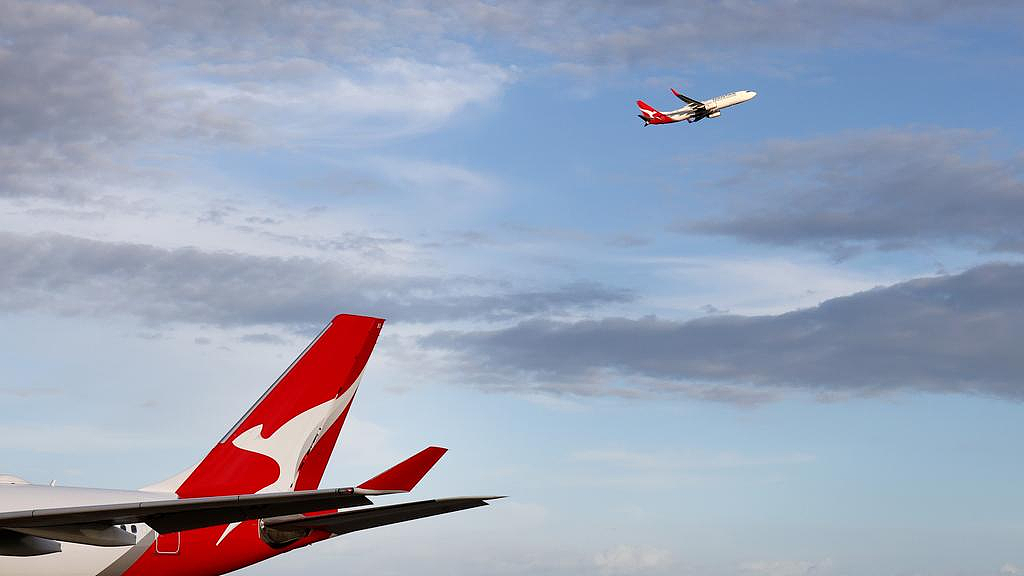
782 283
86 90
351 105
786 567
632 559
652 461
74 438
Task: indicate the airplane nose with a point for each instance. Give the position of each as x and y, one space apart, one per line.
752 93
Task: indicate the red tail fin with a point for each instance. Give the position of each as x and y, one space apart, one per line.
284 441
646 107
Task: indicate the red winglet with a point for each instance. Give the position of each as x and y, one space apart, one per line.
404 476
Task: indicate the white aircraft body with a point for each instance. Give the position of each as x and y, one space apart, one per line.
695 110
254 496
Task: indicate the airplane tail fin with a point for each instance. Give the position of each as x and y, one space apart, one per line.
647 107
651 115
284 441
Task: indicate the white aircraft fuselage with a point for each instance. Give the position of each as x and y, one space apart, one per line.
694 110
75 559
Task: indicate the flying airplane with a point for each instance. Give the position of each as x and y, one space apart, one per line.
695 110
254 496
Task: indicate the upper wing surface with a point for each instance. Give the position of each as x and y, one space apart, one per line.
687 99
192 513
188 513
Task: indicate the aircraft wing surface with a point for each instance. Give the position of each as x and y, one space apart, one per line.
191 513
687 99
187 513
354 520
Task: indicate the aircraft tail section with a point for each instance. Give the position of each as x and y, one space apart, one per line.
284 441
647 107
650 115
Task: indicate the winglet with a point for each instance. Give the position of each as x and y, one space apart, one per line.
404 476
684 97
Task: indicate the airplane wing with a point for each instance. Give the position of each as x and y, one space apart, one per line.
95 525
186 513
687 99
354 520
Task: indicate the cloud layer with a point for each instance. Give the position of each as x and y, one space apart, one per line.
629 33
89 85
884 189
950 334
71 275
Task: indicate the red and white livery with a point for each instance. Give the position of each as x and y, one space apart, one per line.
254 496
695 110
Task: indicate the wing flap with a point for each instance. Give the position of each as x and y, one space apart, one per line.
355 520
189 513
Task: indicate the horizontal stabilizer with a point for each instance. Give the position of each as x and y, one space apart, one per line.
188 513
354 520
404 476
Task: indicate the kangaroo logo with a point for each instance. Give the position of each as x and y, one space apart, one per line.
291 442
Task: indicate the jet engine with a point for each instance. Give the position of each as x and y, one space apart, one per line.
715 114
276 538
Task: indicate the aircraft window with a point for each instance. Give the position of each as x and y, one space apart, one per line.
135 529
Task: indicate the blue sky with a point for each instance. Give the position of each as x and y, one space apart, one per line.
781 342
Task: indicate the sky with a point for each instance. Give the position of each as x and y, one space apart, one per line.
781 342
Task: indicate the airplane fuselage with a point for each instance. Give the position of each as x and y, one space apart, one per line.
694 110
714 106
73 559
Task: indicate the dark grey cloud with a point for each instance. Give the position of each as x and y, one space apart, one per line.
66 95
948 334
878 190
80 89
69 275
630 32
67 72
